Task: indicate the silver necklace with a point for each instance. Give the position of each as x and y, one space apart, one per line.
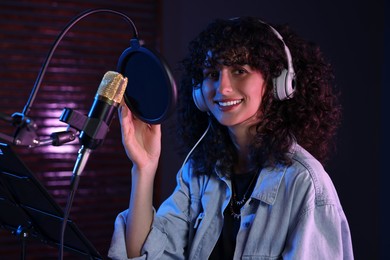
239 203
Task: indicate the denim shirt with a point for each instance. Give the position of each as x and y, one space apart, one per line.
293 213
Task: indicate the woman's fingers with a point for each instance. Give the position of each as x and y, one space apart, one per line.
142 141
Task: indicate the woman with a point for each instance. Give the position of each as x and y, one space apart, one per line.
254 187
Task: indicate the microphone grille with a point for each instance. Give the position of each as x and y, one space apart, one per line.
112 86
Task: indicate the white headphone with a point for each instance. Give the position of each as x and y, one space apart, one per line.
284 84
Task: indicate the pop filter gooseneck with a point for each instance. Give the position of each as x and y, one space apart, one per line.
151 90
69 26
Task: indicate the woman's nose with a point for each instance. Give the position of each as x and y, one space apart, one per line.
224 85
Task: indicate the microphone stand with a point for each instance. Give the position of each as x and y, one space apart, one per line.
26 135
26 128
83 152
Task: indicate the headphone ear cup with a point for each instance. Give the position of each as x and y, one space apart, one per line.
199 101
284 85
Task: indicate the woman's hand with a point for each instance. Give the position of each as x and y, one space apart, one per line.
142 141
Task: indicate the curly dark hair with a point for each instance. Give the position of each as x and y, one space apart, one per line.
311 117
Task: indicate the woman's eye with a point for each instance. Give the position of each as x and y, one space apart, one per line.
239 71
211 75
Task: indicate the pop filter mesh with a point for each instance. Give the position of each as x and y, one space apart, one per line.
151 90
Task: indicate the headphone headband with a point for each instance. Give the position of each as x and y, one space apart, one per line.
284 84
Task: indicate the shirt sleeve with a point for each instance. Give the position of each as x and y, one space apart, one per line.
117 248
322 232
169 233
320 228
152 249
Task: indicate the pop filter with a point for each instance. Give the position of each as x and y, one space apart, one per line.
151 90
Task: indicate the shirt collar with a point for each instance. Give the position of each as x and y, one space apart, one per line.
268 183
270 178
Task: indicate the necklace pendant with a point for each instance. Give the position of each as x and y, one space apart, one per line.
240 202
235 215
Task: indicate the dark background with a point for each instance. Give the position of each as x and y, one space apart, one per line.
351 34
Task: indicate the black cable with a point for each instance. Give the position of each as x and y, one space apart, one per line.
73 188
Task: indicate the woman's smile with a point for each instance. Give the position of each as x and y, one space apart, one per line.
228 104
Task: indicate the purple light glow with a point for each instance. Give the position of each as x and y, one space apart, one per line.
66 148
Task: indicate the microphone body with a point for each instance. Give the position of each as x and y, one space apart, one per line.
104 107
